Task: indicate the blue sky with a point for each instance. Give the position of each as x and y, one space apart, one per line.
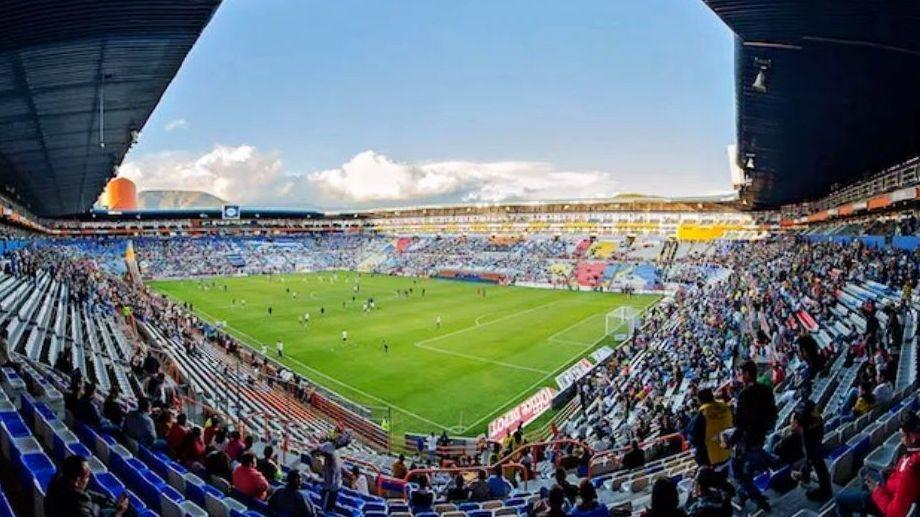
366 103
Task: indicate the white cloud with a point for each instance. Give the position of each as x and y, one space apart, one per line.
172 125
243 174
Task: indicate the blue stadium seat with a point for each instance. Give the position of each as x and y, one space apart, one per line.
5 509
38 466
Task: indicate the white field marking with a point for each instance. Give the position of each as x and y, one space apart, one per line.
479 318
567 342
549 375
313 295
424 343
331 379
532 386
570 327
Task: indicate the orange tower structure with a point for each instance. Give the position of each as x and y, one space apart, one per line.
120 194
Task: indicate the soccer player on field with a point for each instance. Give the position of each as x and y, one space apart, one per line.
437 321
279 346
344 336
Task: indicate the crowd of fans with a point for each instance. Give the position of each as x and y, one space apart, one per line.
680 372
523 260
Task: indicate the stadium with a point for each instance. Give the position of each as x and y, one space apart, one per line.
747 353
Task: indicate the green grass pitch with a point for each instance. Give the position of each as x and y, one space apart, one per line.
490 352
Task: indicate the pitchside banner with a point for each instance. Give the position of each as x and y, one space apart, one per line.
601 354
575 372
524 414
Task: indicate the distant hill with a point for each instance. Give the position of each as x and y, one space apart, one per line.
171 199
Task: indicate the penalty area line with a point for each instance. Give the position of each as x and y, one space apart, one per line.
566 363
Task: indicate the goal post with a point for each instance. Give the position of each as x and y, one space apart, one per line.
620 323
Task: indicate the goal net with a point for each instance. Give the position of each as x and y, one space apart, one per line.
621 322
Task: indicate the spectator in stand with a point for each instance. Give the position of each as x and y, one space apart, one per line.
218 464
332 474
553 505
156 390
871 334
634 457
359 481
86 410
5 347
176 435
219 440
457 489
139 426
73 394
499 487
67 494
706 428
267 464
568 489
755 417
235 445
164 422
212 425
289 501
866 400
399 469
810 353
421 498
249 481
192 449
432 445
883 390
894 495
895 330
589 507
112 408
708 498
479 489
807 424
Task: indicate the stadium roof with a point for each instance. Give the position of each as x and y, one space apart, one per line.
76 74
836 99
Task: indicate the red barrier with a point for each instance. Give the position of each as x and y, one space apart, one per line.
526 446
616 452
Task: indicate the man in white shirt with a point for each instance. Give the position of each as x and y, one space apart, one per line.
432 444
883 391
279 346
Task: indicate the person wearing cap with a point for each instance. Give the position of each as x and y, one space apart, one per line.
288 500
891 495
